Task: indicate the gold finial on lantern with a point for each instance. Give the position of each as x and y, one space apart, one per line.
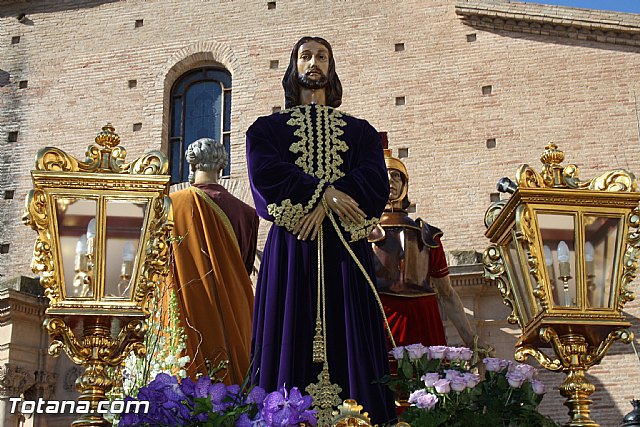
552 170
108 137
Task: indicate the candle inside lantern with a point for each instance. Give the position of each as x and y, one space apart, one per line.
81 245
548 257
129 251
563 259
91 234
589 256
128 255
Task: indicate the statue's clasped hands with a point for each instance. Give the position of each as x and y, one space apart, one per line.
339 202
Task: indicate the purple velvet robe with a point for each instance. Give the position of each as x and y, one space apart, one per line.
292 156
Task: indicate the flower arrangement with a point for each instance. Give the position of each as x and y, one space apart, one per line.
441 389
165 342
208 403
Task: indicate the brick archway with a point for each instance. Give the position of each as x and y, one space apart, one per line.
186 59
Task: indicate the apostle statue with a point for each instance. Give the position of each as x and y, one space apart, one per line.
214 246
319 175
411 269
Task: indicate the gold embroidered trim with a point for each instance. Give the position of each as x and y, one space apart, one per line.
335 145
287 215
327 147
320 147
326 144
359 231
301 118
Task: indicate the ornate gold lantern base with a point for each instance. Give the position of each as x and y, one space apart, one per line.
574 359
95 351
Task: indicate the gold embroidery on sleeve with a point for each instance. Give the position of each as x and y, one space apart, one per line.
287 215
359 231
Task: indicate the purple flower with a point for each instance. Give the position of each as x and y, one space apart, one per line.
452 353
397 353
472 380
442 386
283 409
494 364
201 387
256 395
537 386
458 384
437 351
166 403
416 351
451 374
430 378
244 421
173 403
413 397
466 354
217 392
516 379
426 401
527 370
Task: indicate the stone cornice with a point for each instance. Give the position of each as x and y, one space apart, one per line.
557 21
466 275
14 303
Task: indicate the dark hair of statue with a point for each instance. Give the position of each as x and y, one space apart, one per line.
333 90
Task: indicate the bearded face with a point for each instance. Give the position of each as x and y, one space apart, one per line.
313 65
305 81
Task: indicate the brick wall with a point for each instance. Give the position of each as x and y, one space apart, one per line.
79 56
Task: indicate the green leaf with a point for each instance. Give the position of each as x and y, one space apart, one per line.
407 370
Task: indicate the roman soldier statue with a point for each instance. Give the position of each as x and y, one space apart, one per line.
411 270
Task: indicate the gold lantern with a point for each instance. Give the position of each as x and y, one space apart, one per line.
102 250
563 253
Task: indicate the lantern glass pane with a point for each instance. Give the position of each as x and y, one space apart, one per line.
77 231
517 279
558 239
125 225
601 243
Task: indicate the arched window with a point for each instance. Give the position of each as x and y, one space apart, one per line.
200 108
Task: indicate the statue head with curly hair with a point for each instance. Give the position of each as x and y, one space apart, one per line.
205 154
